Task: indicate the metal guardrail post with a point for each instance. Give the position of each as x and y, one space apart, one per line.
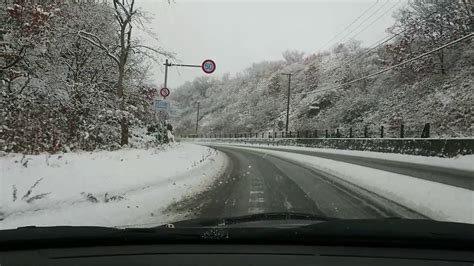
350 133
402 131
426 131
381 132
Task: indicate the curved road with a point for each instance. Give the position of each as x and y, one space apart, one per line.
256 182
449 176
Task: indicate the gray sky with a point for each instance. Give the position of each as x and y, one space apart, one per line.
236 34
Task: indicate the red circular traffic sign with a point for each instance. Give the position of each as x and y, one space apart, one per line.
165 92
208 66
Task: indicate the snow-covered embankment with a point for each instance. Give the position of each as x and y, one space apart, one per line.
125 187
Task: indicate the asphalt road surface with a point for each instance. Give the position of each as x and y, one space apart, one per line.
257 182
449 176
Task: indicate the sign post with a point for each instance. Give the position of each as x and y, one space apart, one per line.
208 66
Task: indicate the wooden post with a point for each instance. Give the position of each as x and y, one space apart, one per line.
327 134
350 133
381 132
402 131
366 131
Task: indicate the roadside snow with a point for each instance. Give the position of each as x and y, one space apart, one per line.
435 200
103 188
464 162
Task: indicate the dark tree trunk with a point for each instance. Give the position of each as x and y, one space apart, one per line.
121 96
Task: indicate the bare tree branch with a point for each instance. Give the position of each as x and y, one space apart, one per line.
94 40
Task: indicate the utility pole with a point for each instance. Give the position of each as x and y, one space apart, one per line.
288 100
166 72
197 119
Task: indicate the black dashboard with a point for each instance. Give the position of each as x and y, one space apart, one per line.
209 255
248 240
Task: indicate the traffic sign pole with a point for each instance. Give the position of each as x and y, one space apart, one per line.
208 66
166 73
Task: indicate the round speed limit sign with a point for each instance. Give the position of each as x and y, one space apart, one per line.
208 66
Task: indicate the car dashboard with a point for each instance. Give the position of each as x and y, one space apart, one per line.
209 254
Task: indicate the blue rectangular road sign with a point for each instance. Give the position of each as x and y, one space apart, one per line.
161 105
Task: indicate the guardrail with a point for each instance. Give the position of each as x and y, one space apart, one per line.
383 131
414 146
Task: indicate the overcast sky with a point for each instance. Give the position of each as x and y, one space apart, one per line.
236 33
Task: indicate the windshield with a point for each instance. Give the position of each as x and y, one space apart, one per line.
140 113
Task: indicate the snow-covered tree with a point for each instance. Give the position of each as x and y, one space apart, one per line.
425 25
126 16
274 85
57 90
312 76
293 56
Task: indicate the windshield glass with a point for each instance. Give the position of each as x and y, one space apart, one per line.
139 113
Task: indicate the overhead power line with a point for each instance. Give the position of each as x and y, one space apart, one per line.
363 22
384 40
375 46
348 26
402 63
377 19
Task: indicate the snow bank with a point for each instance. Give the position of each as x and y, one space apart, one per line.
462 162
103 188
435 200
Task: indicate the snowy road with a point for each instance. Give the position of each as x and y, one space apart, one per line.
259 182
451 176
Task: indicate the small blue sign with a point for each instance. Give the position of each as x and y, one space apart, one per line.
161 105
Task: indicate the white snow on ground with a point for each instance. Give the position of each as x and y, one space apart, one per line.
125 187
463 162
435 200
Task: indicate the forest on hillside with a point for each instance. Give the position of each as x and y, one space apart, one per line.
329 89
74 74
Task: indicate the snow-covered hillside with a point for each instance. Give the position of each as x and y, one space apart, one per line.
435 89
246 103
124 187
